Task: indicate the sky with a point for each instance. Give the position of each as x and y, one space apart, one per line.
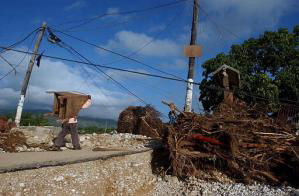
156 37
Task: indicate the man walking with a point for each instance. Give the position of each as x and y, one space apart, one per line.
69 125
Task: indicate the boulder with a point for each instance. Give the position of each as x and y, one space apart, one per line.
36 136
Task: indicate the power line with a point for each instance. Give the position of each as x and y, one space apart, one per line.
142 73
118 83
89 20
72 53
216 24
23 58
16 66
116 53
4 59
106 67
20 41
151 41
80 55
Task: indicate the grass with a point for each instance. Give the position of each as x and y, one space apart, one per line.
94 129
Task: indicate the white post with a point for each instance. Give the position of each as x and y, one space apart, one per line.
28 74
19 110
188 102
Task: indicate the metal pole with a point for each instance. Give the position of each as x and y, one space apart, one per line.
28 74
188 101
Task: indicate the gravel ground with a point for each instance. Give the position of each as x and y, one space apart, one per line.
193 186
128 175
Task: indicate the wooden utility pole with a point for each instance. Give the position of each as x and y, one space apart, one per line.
28 74
188 101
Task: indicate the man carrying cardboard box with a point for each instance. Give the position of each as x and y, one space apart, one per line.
67 106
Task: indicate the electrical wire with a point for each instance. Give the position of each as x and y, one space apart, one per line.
64 46
118 83
71 48
215 23
142 73
150 42
106 67
4 59
9 72
116 53
89 20
20 41
23 58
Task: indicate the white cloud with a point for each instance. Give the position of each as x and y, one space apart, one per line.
75 5
132 41
56 75
238 19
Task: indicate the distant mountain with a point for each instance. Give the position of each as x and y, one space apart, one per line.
83 121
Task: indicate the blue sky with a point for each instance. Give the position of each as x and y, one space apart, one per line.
167 29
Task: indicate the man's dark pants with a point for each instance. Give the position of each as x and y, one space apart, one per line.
66 129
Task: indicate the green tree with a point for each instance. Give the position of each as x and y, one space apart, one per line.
269 68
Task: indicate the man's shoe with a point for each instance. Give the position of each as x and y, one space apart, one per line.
77 148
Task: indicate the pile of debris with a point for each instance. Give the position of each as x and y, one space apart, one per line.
6 124
9 141
236 140
141 120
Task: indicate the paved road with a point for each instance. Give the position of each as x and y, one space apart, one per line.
31 160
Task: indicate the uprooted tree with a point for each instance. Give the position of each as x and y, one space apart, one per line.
141 120
269 68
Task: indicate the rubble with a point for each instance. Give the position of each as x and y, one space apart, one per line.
36 139
6 124
141 120
239 141
11 140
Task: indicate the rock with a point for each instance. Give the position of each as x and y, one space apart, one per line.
87 143
59 178
19 149
113 132
94 134
30 149
22 185
63 148
38 149
24 147
36 135
68 145
50 143
82 138
68 138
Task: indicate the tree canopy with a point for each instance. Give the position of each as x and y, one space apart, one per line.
268 65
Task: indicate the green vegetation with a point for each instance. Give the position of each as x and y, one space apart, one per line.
269 68
94 129
30 119
86 124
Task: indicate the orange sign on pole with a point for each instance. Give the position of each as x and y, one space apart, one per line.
193 51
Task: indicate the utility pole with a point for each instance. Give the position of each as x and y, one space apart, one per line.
28 74
188 101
